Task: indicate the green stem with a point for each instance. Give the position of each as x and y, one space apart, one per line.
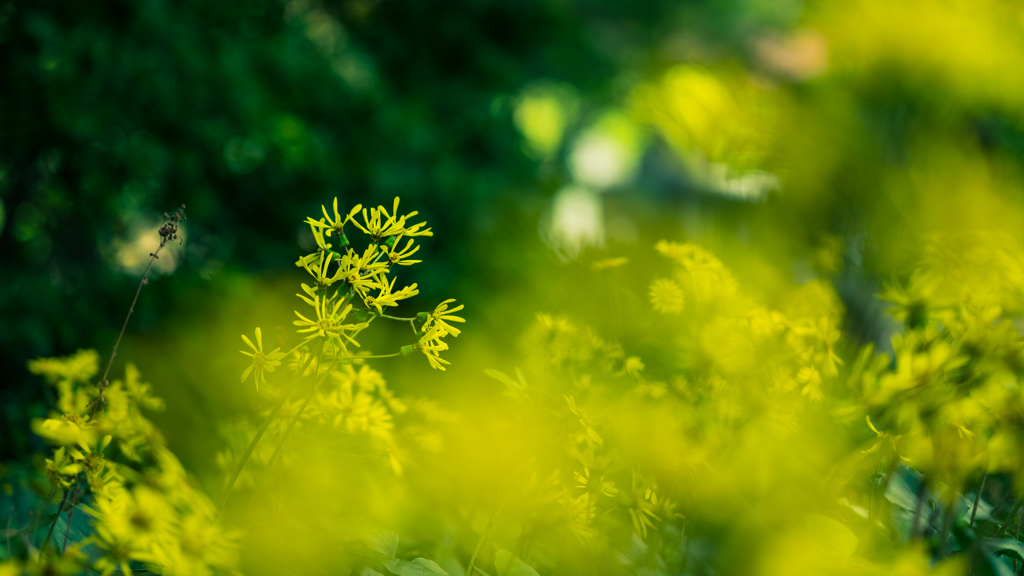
71 513
977 499
396 354
262 430
1009 518
291 425
922 491
483 537
397 318
1017 537
49 533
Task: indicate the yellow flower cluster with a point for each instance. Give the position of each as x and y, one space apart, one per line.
112 464
351 288
948 394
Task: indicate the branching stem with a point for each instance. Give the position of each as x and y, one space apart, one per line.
291 425
262 430
1009 518
71 514
49 533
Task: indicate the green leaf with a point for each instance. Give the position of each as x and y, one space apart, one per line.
514 390
1003 546
904 486
964 504
832 537
509 564
418 567
385 542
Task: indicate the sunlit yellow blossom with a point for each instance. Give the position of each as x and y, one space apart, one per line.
386 297
260 361
378 420
365 378
318 265
666 296
401 257
379 224
61 469
583 480
442 315
811 380
633 366
349 406
431 345
336 224
329 323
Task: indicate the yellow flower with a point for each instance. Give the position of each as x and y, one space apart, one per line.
318 265
261 361
634 366
431 346
378 228
329 322
366 378
399 257
388 298
336 224
666 296
61 469
811 379
583 481
348 407
378 421
442 315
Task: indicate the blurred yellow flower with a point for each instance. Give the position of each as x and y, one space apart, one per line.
666 296
261 361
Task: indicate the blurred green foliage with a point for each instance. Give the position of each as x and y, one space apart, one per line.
796 140
252 113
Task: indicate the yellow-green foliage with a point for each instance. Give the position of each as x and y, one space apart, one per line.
143 505
734 422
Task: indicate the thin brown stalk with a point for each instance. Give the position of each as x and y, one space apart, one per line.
168 231
71 514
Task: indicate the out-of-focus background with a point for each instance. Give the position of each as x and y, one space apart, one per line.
538 138
519 131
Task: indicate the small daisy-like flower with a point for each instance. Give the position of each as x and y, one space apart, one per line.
400 257
379 224
811 379
337 224
386 296
666 296
442 315
583 480
431 346
261 361
328 323
634 366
